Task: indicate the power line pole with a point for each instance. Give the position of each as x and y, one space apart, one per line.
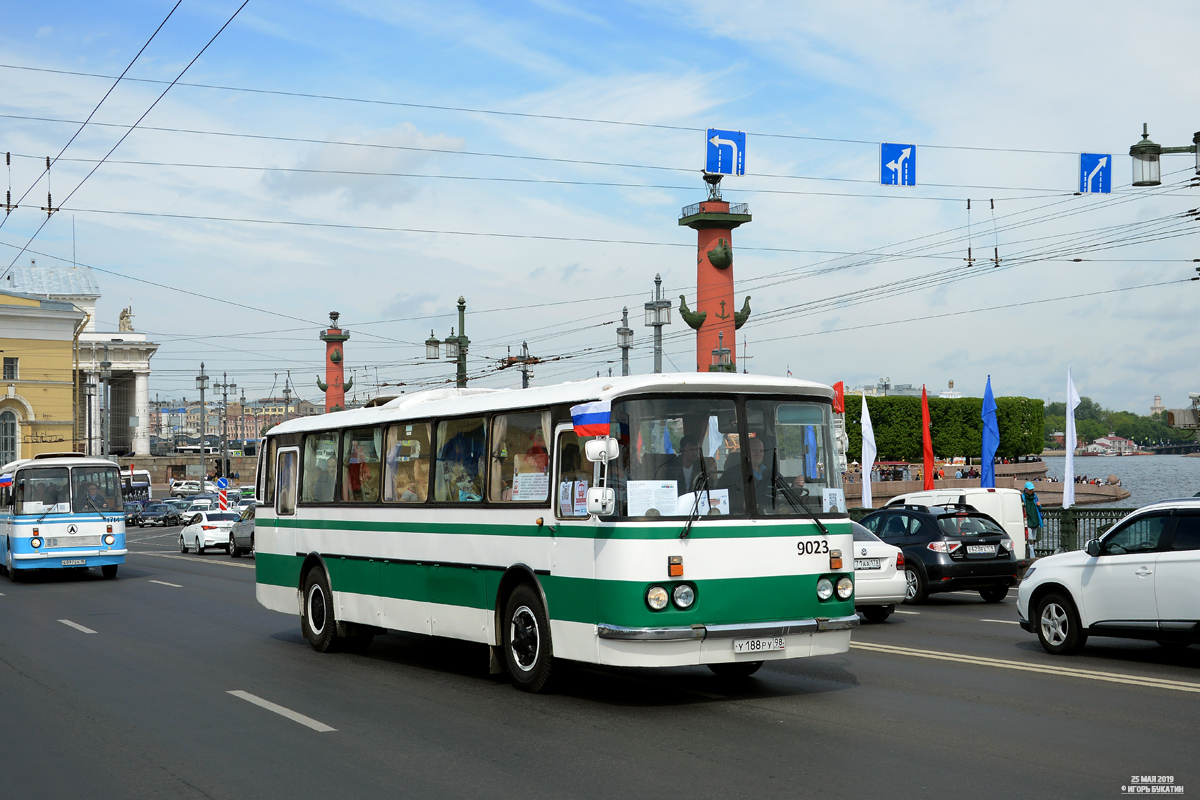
658 313
224 386
202 384
524 360
625 340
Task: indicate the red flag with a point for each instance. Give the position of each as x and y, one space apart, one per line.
839 398
926 441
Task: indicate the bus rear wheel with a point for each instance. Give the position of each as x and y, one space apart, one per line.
316 619
109 570
526 640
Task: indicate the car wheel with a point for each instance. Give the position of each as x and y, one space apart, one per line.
182 544
526 640
109 570
1058 626
915 590
233 549
316 619
994 594
735 670
199 546
877 613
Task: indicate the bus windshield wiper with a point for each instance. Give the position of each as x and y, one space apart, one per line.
701 486
789 495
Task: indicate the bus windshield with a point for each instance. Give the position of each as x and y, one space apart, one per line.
681 454
43 490
96 488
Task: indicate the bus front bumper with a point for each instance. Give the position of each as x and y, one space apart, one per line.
748 630
55 555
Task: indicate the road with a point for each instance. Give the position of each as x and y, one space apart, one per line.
948 698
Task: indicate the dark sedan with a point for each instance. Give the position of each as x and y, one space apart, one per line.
159 514
133 512
948 548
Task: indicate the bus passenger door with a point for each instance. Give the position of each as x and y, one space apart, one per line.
287 470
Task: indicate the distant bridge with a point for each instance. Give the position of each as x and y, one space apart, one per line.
1175 449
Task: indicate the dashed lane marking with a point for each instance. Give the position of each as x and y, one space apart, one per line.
192 559
294 716
913 613
1002 621
1044 669
76 626
164 583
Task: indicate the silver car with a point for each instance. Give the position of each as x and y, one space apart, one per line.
241 535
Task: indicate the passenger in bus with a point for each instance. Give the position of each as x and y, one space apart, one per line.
683 468
537 453
326 481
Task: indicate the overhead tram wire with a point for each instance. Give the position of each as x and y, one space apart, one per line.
531 115
126 134
83 124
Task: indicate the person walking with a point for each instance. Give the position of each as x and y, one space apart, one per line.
1032 506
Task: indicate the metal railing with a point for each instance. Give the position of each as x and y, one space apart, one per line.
1063 528
735 208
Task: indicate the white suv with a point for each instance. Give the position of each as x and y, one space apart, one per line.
1141 580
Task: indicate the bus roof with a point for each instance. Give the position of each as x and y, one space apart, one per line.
58 461
451 402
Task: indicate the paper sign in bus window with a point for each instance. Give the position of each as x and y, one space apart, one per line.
661 496
833 501
530 485
581 488
719 498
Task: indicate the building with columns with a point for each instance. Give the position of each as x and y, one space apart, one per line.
127 352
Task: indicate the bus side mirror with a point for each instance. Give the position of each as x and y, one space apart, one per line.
602 501
1092 547
602 449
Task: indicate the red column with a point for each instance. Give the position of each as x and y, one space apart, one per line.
714 221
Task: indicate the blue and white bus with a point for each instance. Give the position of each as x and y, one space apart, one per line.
61 511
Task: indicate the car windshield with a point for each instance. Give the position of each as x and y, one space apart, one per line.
963 524
681 453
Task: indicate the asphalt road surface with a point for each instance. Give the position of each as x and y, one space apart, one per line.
171 681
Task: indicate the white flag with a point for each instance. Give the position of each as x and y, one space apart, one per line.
868 452
1069 443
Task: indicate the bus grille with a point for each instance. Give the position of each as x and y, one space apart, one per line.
73 541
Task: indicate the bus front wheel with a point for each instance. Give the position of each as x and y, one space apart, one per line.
316 619
109 570
526 640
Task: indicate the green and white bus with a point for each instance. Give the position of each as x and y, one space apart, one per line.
704 524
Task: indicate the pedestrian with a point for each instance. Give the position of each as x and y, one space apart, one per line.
1032 506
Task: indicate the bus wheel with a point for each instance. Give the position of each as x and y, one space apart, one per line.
317 620
109 570
526 639
733 670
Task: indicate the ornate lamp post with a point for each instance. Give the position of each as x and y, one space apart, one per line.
658 313
1147 171
456 346
106 398
89 391
721 361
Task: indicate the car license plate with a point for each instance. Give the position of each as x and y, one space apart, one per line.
758 645
973 549
866 563
74 562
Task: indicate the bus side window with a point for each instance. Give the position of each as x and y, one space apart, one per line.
573 480
460 462
406 465
520 468
320 467
360 465
287 482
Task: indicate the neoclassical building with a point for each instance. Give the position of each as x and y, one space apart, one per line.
127 352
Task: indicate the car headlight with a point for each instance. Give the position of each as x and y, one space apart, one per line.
109 539
824 588
656 598
683 596
35 542
845 587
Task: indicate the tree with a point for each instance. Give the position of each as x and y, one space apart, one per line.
956 426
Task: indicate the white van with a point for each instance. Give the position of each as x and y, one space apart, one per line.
1003 505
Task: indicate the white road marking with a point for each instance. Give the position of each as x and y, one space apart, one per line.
192 559
914 613
1 594
164 583
1002 621
319 727
76 626
1064 672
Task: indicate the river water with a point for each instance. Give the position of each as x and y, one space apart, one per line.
1148 479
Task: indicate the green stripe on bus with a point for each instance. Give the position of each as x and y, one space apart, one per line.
699 530
719 601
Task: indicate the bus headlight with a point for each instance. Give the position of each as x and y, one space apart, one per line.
35 542
824 588
845 587
683 596
110 539
656 598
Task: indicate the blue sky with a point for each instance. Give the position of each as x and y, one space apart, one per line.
976 86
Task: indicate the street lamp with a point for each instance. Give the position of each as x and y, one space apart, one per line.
456 346
721 361
432 345
625 340
202 385
658 313
106 397
1147 171
89 391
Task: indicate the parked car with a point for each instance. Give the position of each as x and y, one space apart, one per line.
206 529
158 514
1140 580
948 548
241 536
1005 506
879 580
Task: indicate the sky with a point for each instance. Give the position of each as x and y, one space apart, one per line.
533 157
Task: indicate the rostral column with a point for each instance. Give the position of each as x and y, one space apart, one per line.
334 386
714 318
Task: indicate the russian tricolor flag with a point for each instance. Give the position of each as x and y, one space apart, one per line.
6 479
591 419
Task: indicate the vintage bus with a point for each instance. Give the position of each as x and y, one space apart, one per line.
657 520
136 484
61 511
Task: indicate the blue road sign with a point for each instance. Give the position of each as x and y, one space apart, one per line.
725 152
222 483
898 164
1095 173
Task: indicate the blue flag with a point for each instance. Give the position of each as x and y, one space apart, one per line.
991 438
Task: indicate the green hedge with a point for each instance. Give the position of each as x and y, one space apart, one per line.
956 426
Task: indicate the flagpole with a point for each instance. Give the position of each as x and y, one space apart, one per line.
1069 443
868 452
